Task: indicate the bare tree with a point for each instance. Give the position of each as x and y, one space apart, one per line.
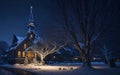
43 48
107 55
90 29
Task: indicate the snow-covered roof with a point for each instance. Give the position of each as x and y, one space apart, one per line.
20 39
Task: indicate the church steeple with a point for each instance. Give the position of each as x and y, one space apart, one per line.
31 14
31 32
31 21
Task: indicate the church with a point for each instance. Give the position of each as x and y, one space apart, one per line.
17 51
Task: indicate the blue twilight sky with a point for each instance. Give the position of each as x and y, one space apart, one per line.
14 16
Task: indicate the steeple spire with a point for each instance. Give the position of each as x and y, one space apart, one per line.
31 14
31 23
31 32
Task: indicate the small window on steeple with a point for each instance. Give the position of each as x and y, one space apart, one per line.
25 45
31 36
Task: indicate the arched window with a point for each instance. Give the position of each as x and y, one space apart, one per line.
19 54
23 54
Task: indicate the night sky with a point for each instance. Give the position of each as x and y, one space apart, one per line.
14 16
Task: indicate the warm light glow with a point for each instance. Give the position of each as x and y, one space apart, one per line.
19 53
30 54
25 46
23 54
49 68
55 68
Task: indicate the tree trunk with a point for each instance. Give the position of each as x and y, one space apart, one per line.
112 63
86 61
42 62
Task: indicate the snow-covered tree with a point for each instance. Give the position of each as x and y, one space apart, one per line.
43 48
107 55
35 61
26 60
86 24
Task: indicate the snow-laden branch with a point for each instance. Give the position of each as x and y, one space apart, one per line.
43 48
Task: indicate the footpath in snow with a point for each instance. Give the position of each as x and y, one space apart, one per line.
67 69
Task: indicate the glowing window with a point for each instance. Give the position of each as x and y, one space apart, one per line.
19 54
23 54
25 45
29 54
31 36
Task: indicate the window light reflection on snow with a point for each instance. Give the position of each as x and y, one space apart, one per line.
47 67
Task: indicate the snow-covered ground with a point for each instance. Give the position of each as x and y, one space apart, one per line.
3 72
69 69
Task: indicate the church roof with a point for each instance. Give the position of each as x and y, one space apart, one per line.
20 39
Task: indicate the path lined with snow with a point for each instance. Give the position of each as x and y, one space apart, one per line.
68 69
